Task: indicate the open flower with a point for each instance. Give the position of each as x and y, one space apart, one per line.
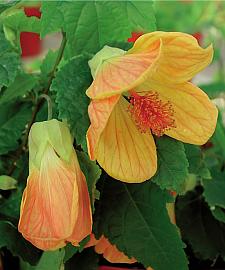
55 206
142 92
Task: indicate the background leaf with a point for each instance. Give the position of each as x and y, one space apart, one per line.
198 227
12 125
19 87
7 182
98 22
87 260
9 61
214 194
10 238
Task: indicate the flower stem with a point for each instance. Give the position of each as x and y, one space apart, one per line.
49 101
37 107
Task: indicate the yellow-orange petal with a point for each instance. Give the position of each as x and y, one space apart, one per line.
92 242
99 112
122 73
50 203
83 224
123 151
194 114
181 56
111 253
171 212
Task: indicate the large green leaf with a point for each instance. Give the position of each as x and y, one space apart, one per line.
172 164
19 87
12 125
10 238
70 85
199 228
90 25
134 218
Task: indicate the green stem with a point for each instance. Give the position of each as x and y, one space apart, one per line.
49 101
38 106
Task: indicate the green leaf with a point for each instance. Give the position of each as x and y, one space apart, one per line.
90 25
10 207
214 89
19 87
9 61
7 182
50 260
92 173
70 250
10 238
49 62
87 260
218 138
19 22
198 227
52 18
172 164
214 194
218 213
13 126
135 219
196 161
70 84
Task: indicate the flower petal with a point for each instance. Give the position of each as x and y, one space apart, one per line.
194 114
119 74
123 151
99 112
181 56
83 225
111 253
50 203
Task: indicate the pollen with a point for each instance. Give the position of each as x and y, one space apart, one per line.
149 112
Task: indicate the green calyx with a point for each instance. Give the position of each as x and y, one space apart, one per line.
105 53
53 133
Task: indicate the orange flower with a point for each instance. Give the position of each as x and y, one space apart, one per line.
142 92
55 206
109 251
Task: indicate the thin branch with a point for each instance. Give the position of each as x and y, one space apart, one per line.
38 106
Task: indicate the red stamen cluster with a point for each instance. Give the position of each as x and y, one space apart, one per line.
149 112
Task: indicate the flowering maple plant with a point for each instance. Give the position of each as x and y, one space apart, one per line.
101 164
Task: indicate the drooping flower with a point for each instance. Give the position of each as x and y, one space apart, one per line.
142 92
55 207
